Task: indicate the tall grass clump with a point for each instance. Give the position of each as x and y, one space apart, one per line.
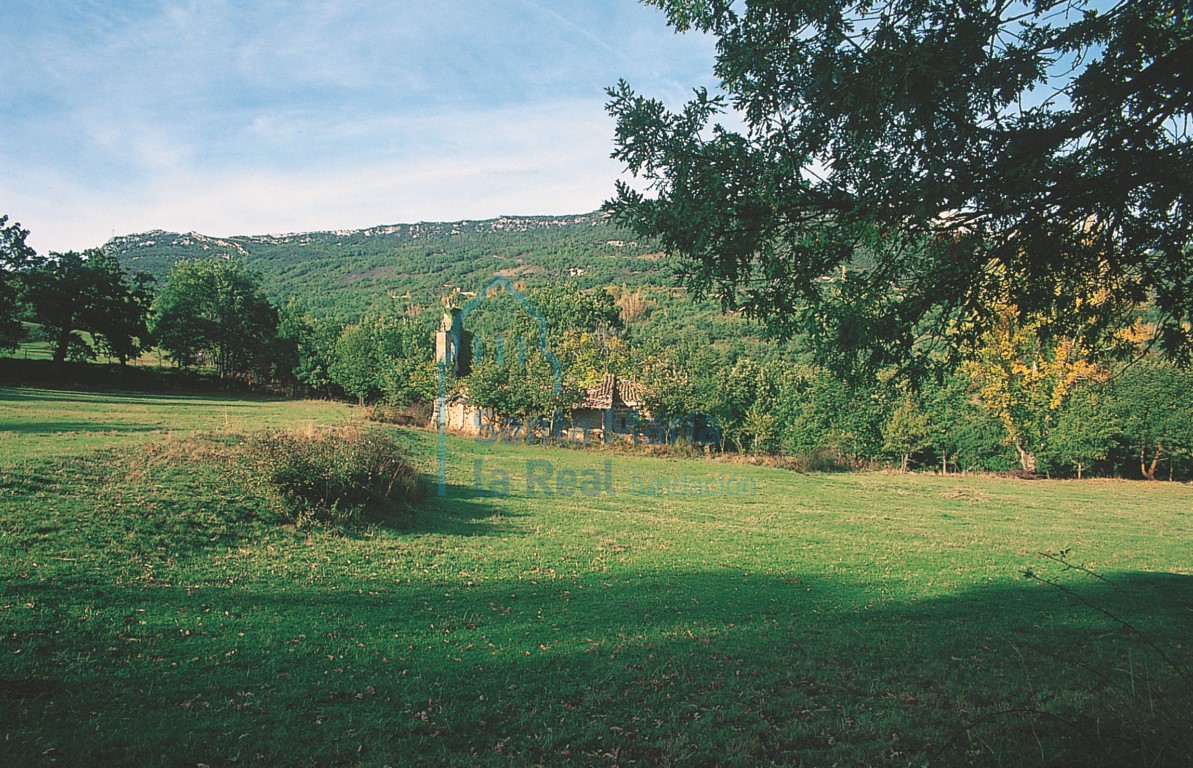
335 474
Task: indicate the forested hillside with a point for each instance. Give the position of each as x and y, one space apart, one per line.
408 268
346 272
352 315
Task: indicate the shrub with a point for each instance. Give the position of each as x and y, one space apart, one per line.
412 415
335 474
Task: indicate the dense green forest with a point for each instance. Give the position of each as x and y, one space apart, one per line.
353 315
409 269
344 274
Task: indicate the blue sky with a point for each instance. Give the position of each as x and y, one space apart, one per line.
263 116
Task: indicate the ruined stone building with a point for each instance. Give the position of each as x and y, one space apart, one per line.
611 411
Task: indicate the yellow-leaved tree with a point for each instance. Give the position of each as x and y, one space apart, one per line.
1023 375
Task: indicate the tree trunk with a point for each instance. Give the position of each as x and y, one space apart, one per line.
1026 459
1149 471
903 468
944 462
1079 470
61 346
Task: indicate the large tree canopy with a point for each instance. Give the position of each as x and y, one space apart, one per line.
72 294
14 255
214 311
906 167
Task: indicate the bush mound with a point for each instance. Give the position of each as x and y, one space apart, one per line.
412 415
335 474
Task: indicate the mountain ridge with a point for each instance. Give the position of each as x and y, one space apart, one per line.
412 230
344 273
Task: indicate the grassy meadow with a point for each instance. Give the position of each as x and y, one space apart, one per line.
155 611
35 347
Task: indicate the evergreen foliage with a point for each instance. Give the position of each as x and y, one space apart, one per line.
14 256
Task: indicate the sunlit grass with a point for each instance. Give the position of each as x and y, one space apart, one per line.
39 422
36 347
156 612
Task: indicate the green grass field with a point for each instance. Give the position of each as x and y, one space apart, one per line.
33 347
155 613
38 423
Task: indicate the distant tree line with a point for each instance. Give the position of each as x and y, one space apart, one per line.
1130 420
209 314
84 303
1098 403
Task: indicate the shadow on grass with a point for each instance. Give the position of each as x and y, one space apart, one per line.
39 395
459 513
704 668
108 377
462 513
55 427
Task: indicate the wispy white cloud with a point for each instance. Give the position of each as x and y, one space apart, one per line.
476 165
232 118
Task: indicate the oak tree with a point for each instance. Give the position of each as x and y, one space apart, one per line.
1155 413
900 163
215 312
86 305
15 255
